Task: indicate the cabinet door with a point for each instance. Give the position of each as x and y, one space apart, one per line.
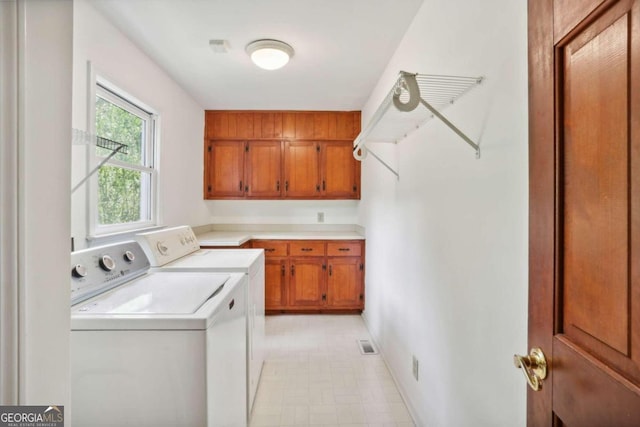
306 282
275 283
344 283
225 171
301 170
340 170
264 164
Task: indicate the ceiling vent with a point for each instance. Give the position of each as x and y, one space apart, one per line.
219 45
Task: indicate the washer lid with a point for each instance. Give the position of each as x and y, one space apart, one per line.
168 293
217 259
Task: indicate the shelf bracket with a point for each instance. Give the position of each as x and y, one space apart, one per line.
385 164
408 82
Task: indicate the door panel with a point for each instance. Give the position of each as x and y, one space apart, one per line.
226 169
275 283
306 282
340 170
344 285
264 163
585 210
301 169
569 13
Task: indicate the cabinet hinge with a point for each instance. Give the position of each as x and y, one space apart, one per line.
209 149
246 148
318 148
361 297
361 267
355 188
208 188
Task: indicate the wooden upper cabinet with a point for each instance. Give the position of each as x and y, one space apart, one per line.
340 170
302 169
267 125
287 125
290 154
229 125
263 169
305 125
224 176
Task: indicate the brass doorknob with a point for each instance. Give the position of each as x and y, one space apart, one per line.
533 366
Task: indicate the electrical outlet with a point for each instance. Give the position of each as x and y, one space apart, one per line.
320 216
415 368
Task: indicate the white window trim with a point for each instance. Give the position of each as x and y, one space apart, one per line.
114 93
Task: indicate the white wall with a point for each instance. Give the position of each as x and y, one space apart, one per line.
446 276
283 211
181 119
44 157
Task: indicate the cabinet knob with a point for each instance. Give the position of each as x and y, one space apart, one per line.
330 270
240 186
293 270
282 270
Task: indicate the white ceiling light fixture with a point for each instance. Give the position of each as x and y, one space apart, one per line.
269 54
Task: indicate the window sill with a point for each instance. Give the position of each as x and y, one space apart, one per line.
103 239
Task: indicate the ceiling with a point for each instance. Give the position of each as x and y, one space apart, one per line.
341 47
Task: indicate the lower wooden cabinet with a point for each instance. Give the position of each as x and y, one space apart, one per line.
307 282
344 283
275 283
313 275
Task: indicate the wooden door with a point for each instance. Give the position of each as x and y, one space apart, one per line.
344 282
306 282
275 283
584 283
340 170
302 169
264 165
225 169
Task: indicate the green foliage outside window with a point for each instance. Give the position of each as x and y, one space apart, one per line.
119 188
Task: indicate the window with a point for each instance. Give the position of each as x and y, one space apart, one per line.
124 197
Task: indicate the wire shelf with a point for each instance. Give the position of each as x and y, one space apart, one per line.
81 137
391 123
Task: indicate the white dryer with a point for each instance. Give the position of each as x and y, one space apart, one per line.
155 349
177 250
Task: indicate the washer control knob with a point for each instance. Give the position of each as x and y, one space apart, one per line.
129 256
162 248
79 271
107 263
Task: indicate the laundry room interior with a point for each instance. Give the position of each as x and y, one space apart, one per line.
380 180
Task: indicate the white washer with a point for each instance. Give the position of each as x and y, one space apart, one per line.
177 250
155 349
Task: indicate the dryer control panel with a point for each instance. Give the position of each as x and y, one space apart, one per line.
169 244
98 269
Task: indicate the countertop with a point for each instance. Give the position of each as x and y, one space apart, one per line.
237 238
